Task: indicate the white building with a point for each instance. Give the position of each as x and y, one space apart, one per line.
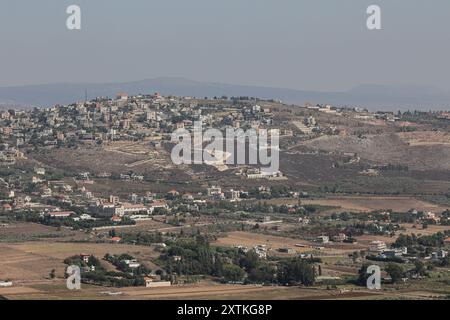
214 191
323 239
377 246
39 171
4 284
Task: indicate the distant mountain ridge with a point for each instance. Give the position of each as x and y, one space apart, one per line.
373 97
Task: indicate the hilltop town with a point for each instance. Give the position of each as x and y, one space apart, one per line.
93 184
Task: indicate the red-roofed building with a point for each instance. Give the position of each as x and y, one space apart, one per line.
116 239
158 204
173 193
85 257
116 219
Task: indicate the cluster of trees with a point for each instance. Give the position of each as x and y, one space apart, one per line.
34 217
395 272
393 217
78 261
6 172
197 258
387 259
124 277
275 192
422 117
296 271
235 265
144 239
360 228
112 279
397 217
445 220
119 262
410 241
393 167
266 208
331 189
256 269
421 246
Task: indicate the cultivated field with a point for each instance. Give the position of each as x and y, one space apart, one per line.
366 204
202 291
249 239
56 290
33 261
17 232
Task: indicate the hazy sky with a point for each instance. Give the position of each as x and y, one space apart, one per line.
300 44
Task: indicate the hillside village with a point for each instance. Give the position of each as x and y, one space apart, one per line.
354 188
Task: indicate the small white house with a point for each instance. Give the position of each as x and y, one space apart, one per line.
40 171
4 284
323 239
